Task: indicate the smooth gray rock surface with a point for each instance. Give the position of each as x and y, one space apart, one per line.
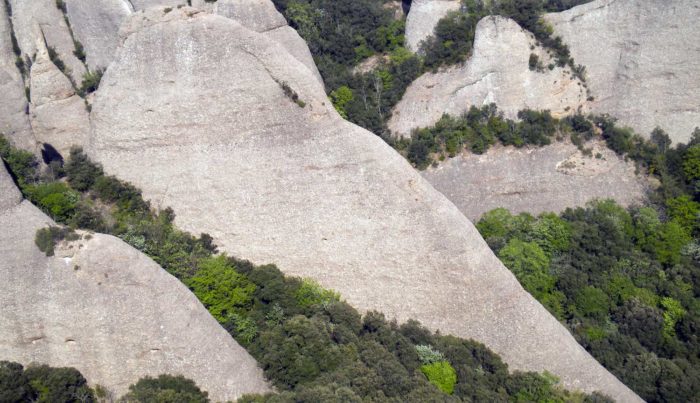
96 25
423 18
14 123
58 115
108 310
536 180
497 72
193 113
642 58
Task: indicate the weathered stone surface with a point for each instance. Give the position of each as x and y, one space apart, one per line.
192 112
13 120
96 25
39 20
423 18
536 180
58 116
140 5
497 72
642 59
108 310
296 46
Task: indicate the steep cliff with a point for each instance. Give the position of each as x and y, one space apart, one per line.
642 60
496 72
108 310
220 123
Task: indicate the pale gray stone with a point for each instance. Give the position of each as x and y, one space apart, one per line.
108 310
193 112
14 123
642 60
58 115
96 25
497 72
39 21
423 18
536 180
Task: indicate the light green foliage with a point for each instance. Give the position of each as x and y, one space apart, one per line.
428 355
340 98
55 198
673 312
221 288
672 238
592 302
551 233
646 228
400 55
685 211
442 375
529 263
691 163
245 328
495 223
311 293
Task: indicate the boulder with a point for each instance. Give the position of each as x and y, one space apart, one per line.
497 72
200 113
423 18
642 60
14 122
536 180
108 310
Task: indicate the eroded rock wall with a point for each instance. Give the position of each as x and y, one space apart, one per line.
208 130
642 60
108 310
497 72
423 18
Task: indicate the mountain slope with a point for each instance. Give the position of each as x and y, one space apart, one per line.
239 139
108 310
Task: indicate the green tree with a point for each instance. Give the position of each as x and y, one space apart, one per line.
221 288
165 389
341 97
441 374
691 163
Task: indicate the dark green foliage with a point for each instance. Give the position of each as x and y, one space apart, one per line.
61 5
46 238
452 39
291 94
476 131
165 389
14 386
80 171
22 165
553 6
91 81
79 51
42 384
623 281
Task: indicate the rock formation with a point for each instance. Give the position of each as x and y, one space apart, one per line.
108 310
536 180
423 18
497 72
198 112
642 60
14 122
58 115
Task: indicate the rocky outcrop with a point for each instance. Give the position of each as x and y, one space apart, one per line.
198 112
13 104
642 60
40 20
108 310
535 180
423 18
96 25
497 72
58 115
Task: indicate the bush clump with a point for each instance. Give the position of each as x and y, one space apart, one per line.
47 238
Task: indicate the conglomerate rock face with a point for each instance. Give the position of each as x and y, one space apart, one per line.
497 72
423 18
536 180
198 112
108 310
14 122
642 60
